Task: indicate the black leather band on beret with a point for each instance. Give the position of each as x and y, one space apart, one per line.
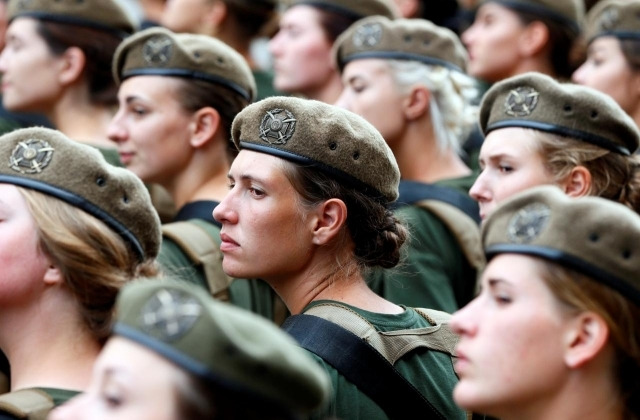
569 261
542 12
79 202
73 20
399 55
621 34
563 131
190 74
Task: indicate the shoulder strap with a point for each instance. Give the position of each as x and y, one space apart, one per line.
392 345
31 404
465 230
362 365
203 250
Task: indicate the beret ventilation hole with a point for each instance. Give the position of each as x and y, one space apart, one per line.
407 38
333 145
356 155
125 199
100 181
426 42
593 237
626 254
567 108
196 54
594 114
220 60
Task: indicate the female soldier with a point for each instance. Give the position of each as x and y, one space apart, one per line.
307 211
613 54
539 131
554 332
406 77
178 96
74 230
150 368
301 48
509 37
58 60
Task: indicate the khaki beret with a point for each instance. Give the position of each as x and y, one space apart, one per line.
566 12
536 101
618 18
325 136
221 343
106 15
160 52
400 39
592 235
47 161
355 9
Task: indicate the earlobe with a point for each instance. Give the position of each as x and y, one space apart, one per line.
330 218
53 275
73 61
578 182
585 339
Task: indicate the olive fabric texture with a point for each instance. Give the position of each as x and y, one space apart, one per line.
618 18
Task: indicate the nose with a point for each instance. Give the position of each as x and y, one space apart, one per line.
464 321
479 190
467 35
343 101
70 410
3 60
274 44
224 212
579 74
116 131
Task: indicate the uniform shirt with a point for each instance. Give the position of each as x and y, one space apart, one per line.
59 396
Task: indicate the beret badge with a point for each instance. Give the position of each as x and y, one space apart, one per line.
157 50
277 126
528 223
31 156
169 314
521 101
609 19
368 35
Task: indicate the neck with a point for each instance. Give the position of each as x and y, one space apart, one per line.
329 92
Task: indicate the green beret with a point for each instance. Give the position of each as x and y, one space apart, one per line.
325 136
400 39
216 341
566 12
105 15
47 161
592 235
618 18
355 9
160 52
536 101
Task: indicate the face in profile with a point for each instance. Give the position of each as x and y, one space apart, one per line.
151 128
264 232
510 162
129 381
512 340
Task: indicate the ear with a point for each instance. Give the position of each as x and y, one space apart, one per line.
585 339
578 183
416 104
72 63
534 39
53 276
205 125
407 8
330 218
215 16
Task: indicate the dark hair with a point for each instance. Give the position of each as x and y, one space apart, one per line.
98 46
249 22
631 50
197 94
562 41
334 23
376 232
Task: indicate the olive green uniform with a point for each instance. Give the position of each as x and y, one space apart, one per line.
431 372
434 272
57 395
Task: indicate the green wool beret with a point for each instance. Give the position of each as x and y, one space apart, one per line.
355 9
160 52
400 39
106 15
536 101
330 138
47 161
619 18
566 12
221 343
592 235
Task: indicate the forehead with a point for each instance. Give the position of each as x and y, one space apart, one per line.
366 66
510 139
151 85
22 27
301 15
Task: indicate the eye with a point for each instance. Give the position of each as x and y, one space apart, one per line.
140 111
256 192
505 168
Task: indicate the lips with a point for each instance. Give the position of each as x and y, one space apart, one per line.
126 157
227 244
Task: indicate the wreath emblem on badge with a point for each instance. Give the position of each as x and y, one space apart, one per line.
609 18
521 101
169 314
277 126
31 156
368 35
528 223
157 50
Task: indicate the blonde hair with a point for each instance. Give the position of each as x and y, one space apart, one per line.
94 259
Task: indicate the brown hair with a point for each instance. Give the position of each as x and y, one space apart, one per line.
94 259
631 51
581 293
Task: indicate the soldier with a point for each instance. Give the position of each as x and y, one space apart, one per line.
539 131
301 48
175 353
554 332
307 211
613 54
74 230
178 96
406 77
